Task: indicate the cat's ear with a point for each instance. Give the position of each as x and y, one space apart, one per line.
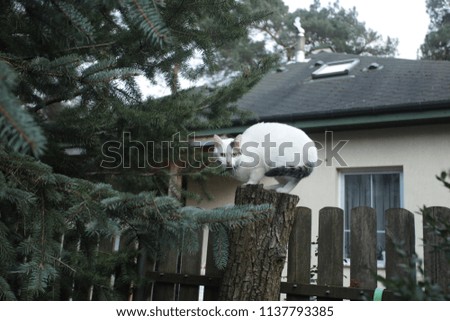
217 140
237 141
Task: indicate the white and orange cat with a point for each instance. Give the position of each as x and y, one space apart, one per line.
268 149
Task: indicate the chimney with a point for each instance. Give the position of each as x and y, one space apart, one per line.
300 45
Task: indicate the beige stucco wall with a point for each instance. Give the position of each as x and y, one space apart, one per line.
421 152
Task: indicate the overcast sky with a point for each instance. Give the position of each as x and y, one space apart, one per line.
406 20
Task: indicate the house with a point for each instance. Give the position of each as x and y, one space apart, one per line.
382 127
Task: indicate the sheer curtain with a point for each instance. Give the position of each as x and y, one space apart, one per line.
380 191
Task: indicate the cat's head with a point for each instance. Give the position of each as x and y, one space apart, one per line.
227 151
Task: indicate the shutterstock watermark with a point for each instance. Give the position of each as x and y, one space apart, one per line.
188 152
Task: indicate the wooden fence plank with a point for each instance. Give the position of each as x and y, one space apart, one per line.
400 244
330 246
363 248
437 267
299 251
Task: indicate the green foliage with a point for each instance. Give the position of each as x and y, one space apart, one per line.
87 58
220 247
150 20
78 20
70 83
436 45
77 73
18 129
54 228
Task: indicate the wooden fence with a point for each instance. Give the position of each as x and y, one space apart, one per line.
178 277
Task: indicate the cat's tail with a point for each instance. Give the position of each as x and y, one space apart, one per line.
298 172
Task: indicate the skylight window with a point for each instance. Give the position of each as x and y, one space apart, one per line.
335 68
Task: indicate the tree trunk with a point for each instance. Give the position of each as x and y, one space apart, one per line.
258 250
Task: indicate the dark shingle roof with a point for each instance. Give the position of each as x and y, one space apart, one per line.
399 85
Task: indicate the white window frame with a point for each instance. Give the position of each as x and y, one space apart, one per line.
366 171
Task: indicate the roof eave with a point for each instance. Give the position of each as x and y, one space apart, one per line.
346 121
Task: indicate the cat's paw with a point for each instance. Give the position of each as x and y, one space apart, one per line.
283 189
272 187
251 182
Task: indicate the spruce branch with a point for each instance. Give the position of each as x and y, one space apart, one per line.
57 229
221 246
110 75
79 21
6 293
91 46
59 261
20 136
6 248
17 127
148 18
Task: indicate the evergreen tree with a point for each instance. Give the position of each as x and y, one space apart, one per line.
341 30
437 44
68 95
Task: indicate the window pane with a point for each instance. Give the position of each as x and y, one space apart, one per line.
380 191
381 247
386 194
357 193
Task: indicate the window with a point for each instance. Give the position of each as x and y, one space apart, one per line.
379 189
335 68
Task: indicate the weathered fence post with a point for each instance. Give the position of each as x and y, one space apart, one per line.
258 250
299 251
437 266
400 244
363 248
330 265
